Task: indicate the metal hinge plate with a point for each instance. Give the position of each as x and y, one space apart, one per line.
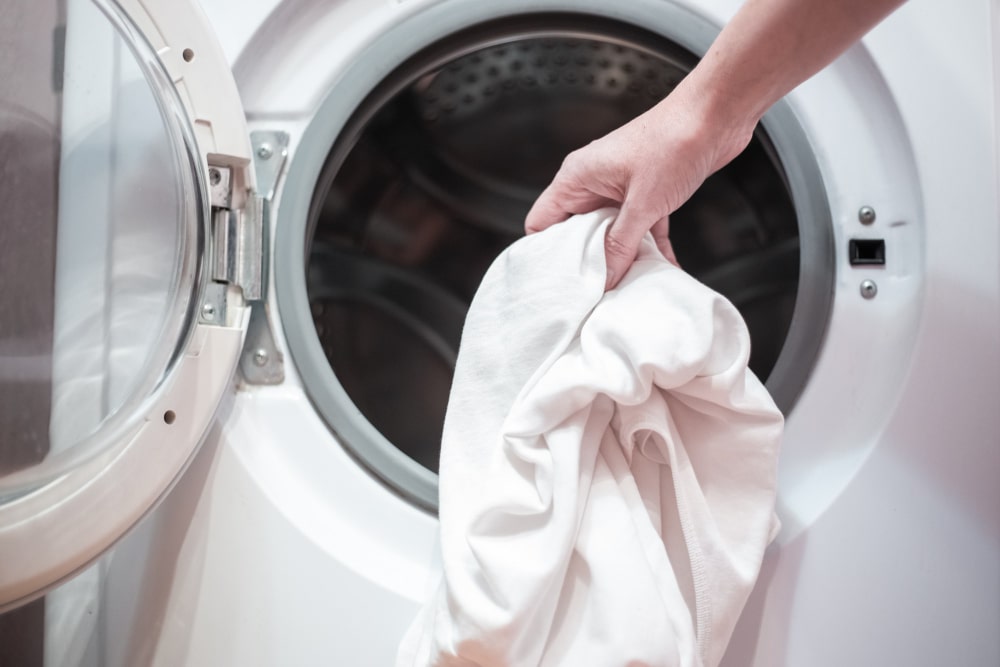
262 361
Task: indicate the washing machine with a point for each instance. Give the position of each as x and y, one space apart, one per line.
240 240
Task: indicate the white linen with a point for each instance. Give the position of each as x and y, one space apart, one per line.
607 477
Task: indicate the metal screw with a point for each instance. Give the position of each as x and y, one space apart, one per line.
208 311
260 356
264 151
866 215
869 289
214 177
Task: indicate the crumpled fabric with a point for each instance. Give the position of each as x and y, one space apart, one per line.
608 467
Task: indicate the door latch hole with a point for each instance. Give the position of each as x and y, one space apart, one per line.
867 252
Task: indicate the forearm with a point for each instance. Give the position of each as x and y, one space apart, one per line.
767 49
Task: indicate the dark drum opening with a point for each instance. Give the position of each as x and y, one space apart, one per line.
435 172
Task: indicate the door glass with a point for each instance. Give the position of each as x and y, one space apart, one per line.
95 238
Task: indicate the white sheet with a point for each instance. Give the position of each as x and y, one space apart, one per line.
607 467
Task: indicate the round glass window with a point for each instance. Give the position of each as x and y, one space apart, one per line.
97 239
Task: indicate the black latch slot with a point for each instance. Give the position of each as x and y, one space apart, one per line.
867 252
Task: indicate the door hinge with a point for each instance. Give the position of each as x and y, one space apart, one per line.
237 237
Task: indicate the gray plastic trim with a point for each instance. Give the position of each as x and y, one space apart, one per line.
396 44
817 257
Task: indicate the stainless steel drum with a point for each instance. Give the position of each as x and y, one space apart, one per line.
434 176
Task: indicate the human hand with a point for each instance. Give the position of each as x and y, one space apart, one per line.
648 168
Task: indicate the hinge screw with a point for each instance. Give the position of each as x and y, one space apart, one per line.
208 311
869 289
260 356
866 215
264 151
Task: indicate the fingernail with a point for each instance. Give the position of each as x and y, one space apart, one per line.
609 280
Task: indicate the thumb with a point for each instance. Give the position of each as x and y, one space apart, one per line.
622 242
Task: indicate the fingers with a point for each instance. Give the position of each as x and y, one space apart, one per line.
622 242
546 211
580 186
558 202
661 235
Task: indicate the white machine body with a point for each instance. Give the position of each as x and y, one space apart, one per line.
278 546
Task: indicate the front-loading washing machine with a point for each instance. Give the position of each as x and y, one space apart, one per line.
328 247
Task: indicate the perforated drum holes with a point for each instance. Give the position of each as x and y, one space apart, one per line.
469 86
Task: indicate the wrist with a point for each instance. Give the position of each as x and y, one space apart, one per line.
717 126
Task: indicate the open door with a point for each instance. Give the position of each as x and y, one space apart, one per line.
129 251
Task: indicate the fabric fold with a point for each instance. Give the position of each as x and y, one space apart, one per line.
607 475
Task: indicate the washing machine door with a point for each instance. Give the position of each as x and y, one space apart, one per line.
129 255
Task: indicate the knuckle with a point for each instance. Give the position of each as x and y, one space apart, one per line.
571 162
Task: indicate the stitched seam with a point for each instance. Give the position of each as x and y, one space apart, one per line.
702 599
699 577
